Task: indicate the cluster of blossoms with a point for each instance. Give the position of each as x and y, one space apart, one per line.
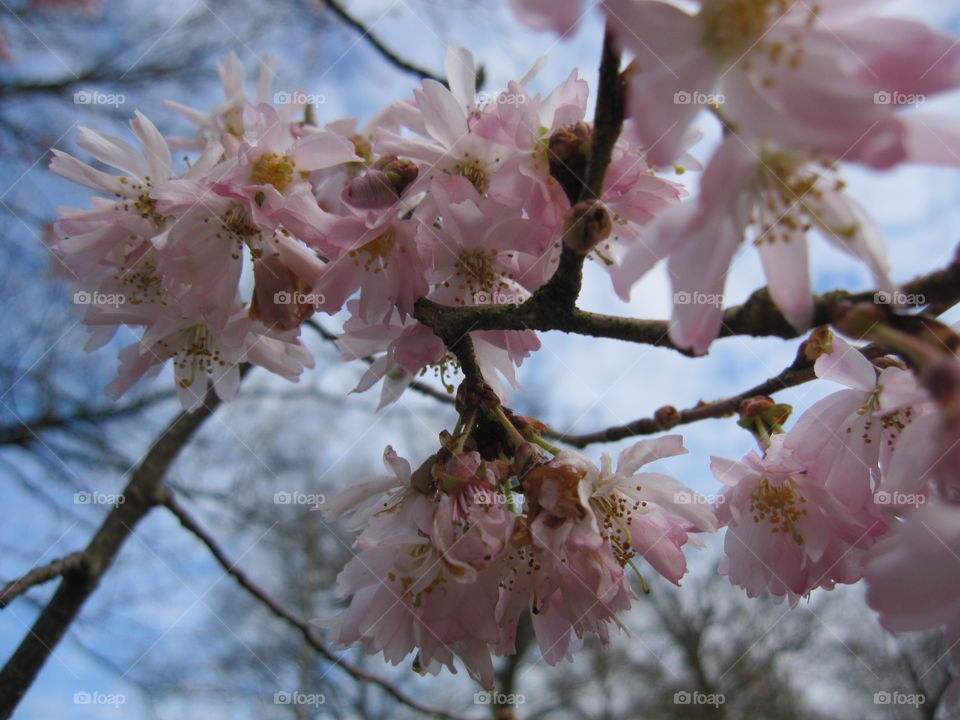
454 552
467 204
436 197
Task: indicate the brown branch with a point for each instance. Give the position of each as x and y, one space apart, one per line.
337 9
40 575
757 317
140 495
800 372
308 633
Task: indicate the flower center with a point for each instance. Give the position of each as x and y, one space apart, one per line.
273 169
474 170
240 230
377 250
778 505
733 28
791 193
615 511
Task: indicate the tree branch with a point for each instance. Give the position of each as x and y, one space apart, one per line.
337 9
800 372
40 575
308 633
140 495
757 317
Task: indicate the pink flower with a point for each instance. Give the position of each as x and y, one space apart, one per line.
472 524
576 584
227 117
648 514
786 531
846 437
815 78
407 593
267 170
913 576
777 195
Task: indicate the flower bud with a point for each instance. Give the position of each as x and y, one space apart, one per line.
859 320
587 224
819 343
667 417
567 151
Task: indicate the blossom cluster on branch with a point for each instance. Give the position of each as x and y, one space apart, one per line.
459 199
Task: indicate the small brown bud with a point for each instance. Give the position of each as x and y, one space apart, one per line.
667 417
857 321
756 406
400 172
587 224
819 343
567 151
362 146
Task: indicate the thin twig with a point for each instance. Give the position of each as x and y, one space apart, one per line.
40 575
337 9
308 633
797 374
